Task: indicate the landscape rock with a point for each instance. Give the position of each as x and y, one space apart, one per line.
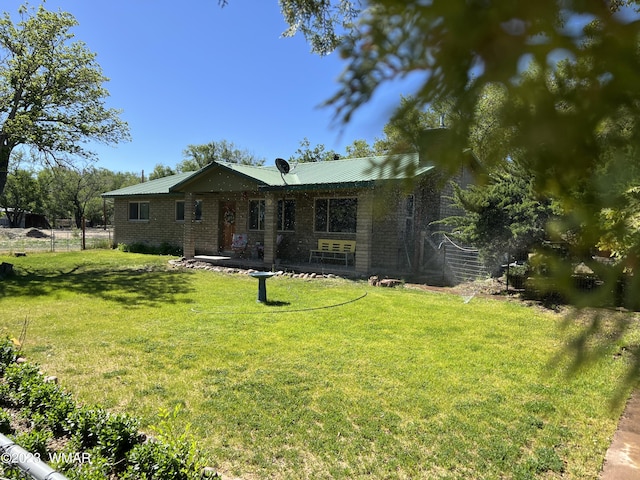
6 269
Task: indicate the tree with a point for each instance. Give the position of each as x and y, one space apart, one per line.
404 130
505 216
359 149
160 171
70 191
322 23
51 90
582 81
198 156
22 194
319 153
100 210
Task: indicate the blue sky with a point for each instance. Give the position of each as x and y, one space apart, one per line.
192 72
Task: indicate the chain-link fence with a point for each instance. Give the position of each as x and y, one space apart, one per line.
463 263
16 463
17 240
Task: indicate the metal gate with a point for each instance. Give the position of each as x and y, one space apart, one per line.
462 263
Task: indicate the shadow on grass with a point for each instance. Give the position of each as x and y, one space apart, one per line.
277 303
147 286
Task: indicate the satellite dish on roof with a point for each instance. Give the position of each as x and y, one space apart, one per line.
282 165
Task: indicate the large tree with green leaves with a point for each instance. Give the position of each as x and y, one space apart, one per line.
197 156
51 90
70 191
22 194
306 153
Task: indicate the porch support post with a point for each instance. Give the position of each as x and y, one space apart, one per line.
270 228
189 243
364 232
216 225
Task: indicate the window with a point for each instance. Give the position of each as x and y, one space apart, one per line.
409 215
138 210
336 215
256 215
197 211
286 215
180 211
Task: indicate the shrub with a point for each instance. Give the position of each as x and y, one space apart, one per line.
112 441
98 469
19 378
46 403
155 460
34 442
171 455
164 248
113 435
5 422
8 353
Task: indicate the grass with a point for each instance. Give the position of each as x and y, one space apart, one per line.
331 379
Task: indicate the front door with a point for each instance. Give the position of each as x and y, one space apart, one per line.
227 224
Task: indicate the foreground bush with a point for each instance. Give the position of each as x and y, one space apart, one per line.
84 442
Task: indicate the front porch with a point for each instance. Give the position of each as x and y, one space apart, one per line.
269 244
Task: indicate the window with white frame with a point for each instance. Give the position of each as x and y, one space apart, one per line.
336 215
138 211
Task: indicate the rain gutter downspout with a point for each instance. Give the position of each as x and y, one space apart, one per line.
15 455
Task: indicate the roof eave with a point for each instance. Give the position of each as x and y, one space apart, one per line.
130 195
323 186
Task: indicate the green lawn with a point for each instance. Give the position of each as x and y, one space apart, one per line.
331 379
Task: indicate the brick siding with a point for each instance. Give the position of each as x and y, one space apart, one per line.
381 244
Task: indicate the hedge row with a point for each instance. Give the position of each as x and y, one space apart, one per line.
85 442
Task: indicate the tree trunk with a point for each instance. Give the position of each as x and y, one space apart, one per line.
78 212
5 153
15 217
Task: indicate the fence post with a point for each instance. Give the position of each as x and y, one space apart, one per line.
84 233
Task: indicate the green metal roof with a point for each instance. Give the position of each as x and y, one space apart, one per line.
337 173
160 186
354 172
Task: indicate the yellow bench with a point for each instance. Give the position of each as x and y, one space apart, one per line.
330 249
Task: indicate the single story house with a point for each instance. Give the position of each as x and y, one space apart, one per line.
289 214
